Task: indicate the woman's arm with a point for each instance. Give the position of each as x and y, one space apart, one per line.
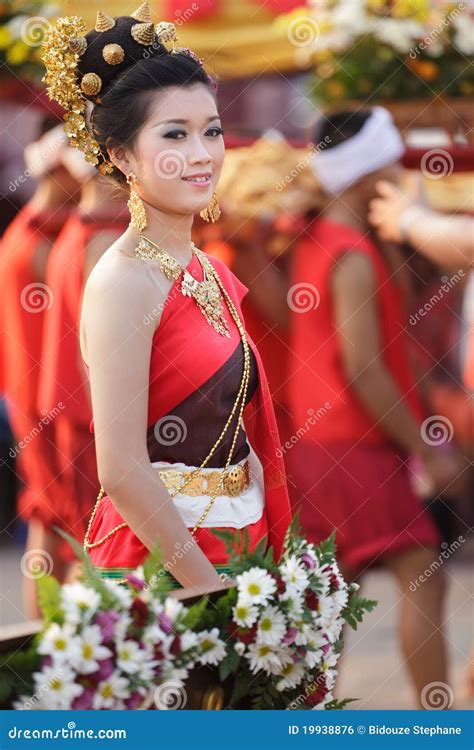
446 240
117 300
354 289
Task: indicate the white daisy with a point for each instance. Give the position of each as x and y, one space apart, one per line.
91 650
79 602
294 574
263 657
271 627
240 647
122 594
245 615
255 586
130 657
292 674
109 692
173 608
56 686
60 642
211 648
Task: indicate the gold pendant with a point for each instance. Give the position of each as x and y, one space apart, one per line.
208 298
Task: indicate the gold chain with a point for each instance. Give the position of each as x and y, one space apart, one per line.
239 403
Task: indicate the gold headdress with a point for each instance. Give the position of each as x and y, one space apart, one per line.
81 68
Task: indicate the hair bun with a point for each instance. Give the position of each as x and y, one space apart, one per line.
114 45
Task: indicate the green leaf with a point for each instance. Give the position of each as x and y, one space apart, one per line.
356 607
338 705
229 664
90 574
49 599
193 616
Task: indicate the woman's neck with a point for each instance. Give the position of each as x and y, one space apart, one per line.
171 232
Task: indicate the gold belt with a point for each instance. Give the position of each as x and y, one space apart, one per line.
231 482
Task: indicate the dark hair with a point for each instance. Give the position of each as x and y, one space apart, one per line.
125 106
338 127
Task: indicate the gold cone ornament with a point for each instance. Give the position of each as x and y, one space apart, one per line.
78 44
91 84
104 22
143 33
143 13
212 212
113 54
135 205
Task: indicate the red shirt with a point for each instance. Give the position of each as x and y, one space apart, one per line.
323 405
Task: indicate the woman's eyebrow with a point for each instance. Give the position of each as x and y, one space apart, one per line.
184 122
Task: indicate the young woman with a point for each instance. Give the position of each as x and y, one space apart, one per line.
185 432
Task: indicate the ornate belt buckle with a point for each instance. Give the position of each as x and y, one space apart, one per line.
235 481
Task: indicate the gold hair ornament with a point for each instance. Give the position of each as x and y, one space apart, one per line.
62 50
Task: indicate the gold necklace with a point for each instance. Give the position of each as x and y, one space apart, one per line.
239 404
205 293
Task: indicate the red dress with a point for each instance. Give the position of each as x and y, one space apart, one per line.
63 380
23 304
190 361
347 474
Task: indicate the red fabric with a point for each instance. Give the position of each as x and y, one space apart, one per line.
469 364
23 304
23 301
186 352
63 379
365 494
316 374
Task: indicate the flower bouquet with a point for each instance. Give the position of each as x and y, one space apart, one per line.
385 49
274 637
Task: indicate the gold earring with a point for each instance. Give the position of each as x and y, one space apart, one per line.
135 205
212 212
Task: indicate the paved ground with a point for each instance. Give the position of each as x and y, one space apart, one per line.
372 670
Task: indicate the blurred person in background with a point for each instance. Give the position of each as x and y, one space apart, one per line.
25 298
351 358
353 398
89 230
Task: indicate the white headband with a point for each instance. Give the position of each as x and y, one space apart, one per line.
76 165
377 144
45 154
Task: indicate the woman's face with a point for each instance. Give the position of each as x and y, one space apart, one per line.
178 154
